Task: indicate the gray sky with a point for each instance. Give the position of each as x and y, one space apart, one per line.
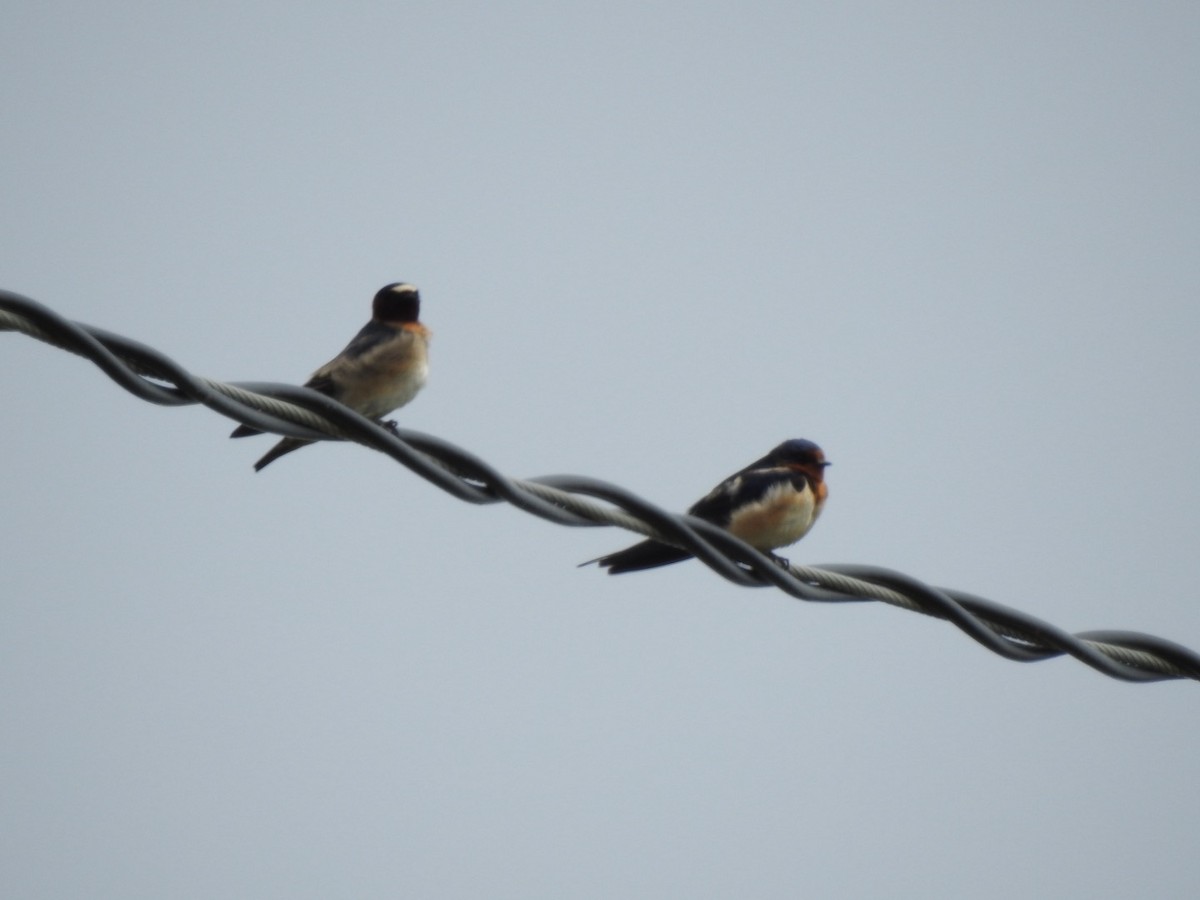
955 246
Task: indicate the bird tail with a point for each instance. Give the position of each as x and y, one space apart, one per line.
287 445
244 431
646 555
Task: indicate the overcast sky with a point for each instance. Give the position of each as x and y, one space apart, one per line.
955 245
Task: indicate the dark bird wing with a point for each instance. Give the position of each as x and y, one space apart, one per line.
320 381
714 507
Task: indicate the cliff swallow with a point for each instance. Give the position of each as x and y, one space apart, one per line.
771 503
379 371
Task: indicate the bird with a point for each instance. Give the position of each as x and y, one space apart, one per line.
771 503
380 370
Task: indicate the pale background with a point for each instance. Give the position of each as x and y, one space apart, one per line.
956 244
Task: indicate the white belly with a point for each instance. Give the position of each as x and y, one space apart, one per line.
377 383
400 391
780 518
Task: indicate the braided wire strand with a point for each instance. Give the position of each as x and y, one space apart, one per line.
571 500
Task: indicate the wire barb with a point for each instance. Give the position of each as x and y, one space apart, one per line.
296 411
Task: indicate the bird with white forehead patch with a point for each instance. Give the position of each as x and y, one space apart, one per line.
380 370
771 503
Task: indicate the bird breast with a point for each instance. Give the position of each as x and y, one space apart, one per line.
388 378
780 517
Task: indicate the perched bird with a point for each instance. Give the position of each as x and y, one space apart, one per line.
773 502
380 370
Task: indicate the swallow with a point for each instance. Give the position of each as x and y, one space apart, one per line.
379 371
771 503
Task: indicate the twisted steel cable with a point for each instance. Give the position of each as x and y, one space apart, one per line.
567 500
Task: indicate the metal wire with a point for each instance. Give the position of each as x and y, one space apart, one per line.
564 499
